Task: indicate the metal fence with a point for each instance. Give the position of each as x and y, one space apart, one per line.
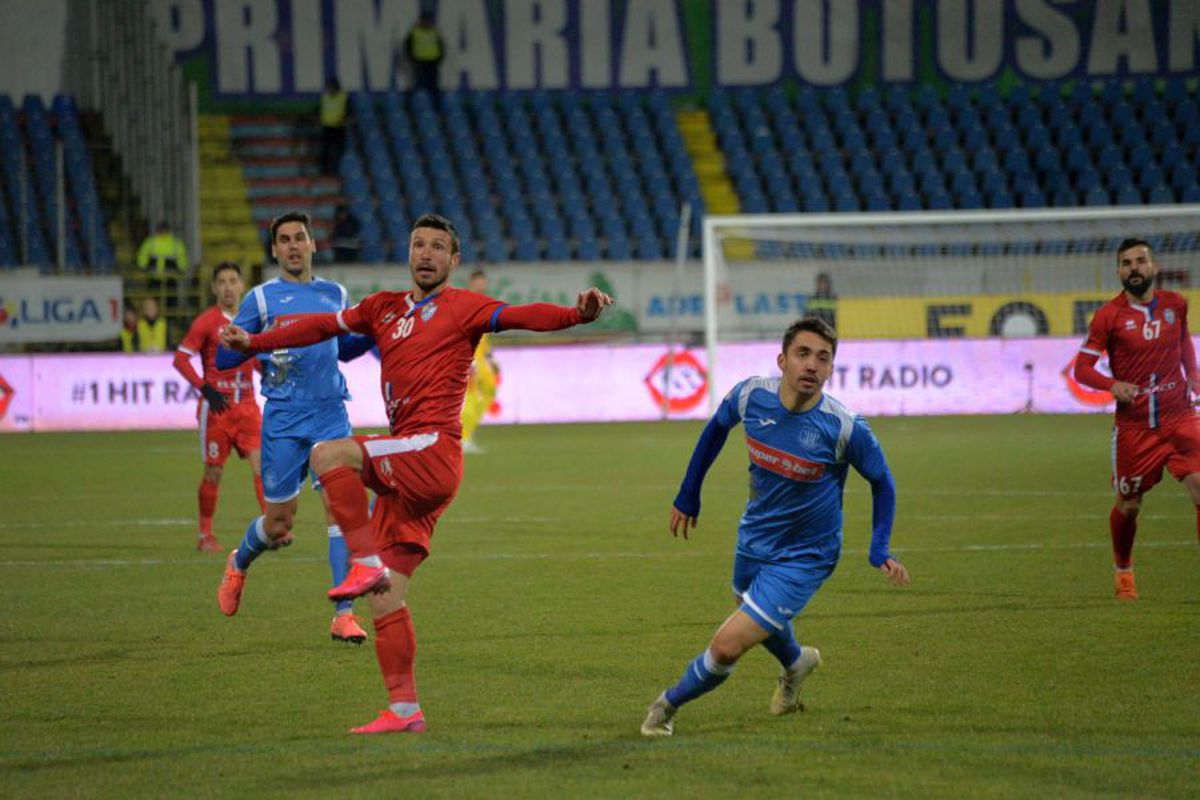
121 69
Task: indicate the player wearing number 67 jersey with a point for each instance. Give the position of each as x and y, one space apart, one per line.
1153 360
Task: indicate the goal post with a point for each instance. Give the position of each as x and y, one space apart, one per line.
930 274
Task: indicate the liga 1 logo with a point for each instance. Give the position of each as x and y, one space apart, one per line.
684 388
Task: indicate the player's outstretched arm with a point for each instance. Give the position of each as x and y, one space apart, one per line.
292 332
549 317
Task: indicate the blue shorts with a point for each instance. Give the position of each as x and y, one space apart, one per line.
288 436
772 594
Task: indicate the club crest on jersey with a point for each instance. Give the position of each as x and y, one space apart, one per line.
1169 316
428 311
809 439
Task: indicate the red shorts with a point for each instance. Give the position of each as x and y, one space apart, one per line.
414 478
239 427
1139 454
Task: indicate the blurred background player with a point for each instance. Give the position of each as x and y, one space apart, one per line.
228 411
1153 363
483 379
305 404
801 443
427 337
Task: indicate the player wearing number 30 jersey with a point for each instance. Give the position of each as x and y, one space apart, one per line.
1145 333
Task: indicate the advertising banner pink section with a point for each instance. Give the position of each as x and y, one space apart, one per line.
586 383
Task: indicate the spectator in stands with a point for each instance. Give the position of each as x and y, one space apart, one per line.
424 50
346 246
151 329
333 126
162 252
822 303
129 330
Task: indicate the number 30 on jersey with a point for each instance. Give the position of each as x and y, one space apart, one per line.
404 327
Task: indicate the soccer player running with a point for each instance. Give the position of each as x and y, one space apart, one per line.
227 412
427 336
305 404
801 444
1153 361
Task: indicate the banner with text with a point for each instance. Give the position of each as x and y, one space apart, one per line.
36 309
588 383
288 48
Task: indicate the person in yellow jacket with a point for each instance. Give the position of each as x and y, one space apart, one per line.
482 380
333 126
424 49
151 329
162 252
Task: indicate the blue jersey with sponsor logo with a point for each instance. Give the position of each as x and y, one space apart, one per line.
798 467
296 375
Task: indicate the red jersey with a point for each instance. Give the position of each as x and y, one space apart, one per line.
1146 346
425 347
203 338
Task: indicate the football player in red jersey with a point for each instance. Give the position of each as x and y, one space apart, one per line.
1153 360
228 413
427 338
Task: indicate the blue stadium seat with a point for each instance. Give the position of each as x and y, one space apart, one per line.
1161 194
1097 196
1128 195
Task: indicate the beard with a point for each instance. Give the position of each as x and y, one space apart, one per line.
1137 284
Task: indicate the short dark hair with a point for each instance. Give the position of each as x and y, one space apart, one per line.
438 222
478 274
1129 244
225 266
813 325
292 216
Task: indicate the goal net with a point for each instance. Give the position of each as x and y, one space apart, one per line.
931 274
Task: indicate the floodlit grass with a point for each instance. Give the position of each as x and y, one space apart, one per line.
556 606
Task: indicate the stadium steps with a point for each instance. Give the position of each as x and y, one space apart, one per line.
708 163
227 229
122 212
280 160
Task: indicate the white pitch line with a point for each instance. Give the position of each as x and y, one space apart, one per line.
693 553
107 523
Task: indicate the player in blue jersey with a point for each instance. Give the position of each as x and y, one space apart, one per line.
305 404
801 444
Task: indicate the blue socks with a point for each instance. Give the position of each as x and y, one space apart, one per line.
702 675
782 644
253 544
339 562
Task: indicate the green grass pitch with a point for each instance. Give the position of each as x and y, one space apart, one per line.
556 606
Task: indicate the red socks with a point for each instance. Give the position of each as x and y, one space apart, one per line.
347 498
1123 530
396 648
258 492
207 495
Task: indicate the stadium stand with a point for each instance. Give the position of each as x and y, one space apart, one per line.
602 174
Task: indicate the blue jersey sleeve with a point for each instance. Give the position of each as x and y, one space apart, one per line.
247 319
712 439
866 456
353 345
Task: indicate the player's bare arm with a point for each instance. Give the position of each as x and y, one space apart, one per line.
896 573
591 302
681 523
